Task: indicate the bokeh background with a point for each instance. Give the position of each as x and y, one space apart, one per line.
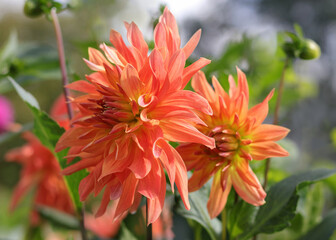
242 33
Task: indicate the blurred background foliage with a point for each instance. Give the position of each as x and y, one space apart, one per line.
243 33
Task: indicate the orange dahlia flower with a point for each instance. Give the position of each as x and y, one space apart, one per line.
240 138
40 170
134 103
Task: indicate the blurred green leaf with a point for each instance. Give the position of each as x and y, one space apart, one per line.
48 132
198 212
281 202
324 229
7 52
240 216
298 30
58 218
26 96
126 234
4 137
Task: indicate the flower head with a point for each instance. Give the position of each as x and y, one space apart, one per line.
240 138
40 170
6 114
134 103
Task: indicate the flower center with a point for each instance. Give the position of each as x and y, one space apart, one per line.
228 143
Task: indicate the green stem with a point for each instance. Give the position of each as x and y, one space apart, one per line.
276 116
224 224
60 47
149 234
82 224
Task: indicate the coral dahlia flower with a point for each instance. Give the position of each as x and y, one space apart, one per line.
40 171
240 138
134 103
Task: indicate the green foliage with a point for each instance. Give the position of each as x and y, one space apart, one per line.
58 218
199 213
126 234
48 132
281 202
324 230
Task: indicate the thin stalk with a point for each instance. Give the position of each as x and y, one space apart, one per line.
82 224
224 224
61 55
149 234
276 116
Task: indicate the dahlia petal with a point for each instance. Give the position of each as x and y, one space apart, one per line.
219 89
119 44
189 100
155 205
181 178
263 150
202 87
188 152
192 43
93 66
242 84
260 111
21 189
112 55
157 65
104 203
140 166
149 186
130 82
200 177
245 172
269 132
167 158
160 36
136 203
135 37
218 197
189 71
180 131
86 186
127 196
97 57
169 19
175 69
81 164
250 194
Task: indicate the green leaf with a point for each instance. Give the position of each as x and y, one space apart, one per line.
58 218
298 30
7 52
281 202
48 132
198 212
240 216
324 229
26 96
126 234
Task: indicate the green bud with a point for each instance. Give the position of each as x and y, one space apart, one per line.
32 8
289 49
310 50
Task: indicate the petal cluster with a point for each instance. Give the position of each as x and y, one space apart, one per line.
240 138
41 171
133 104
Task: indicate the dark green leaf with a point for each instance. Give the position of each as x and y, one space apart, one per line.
281 202
198 212
240 216
324 229
59 219
126 234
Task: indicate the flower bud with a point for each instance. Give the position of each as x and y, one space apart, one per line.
32 8
310 50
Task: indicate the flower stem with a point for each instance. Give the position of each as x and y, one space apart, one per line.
276 116
82 224
61 55
149 235
224 224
